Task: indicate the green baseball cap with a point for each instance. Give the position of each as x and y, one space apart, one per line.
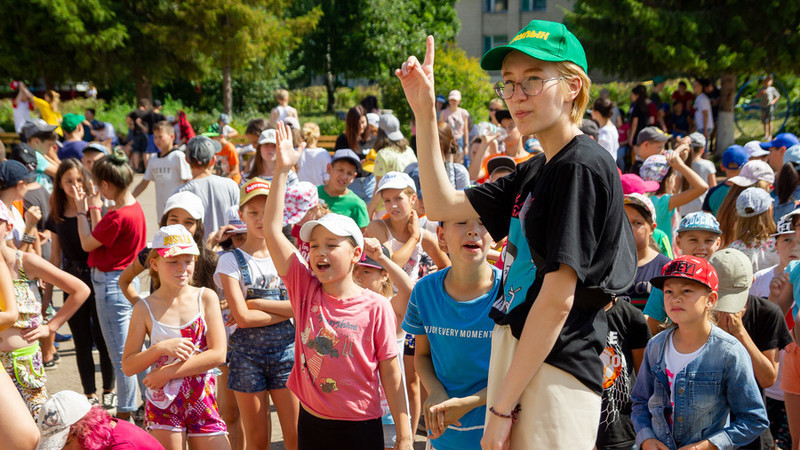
541 39
71 121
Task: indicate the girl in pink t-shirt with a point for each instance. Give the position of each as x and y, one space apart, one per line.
345 343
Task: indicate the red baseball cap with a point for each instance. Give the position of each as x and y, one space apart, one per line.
690 268
634 184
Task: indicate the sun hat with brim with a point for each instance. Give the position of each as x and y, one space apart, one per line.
784 226
56 416
735 273
300 198
540 39
689 268
642 201
366 261
174 240
753 172
337 224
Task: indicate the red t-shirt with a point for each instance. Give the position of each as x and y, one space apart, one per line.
123 233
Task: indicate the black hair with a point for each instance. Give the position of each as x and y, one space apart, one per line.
91 110
44 136
682 83
256 126
641 98
603 106
502 114
370 103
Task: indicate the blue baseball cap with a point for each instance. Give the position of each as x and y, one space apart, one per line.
782 140
441 98
792 154
12 172
734 157
699 221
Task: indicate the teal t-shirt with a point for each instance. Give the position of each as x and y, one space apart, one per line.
716 197
662 241
349 205
663 214
793 269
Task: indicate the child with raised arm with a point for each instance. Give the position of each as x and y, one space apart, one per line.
449 314
345 335
570 248
187 340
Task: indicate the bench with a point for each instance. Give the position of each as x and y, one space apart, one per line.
9 138
326 141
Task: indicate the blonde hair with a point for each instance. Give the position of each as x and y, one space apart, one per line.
282 94
569 70
311 133
752 230
153 254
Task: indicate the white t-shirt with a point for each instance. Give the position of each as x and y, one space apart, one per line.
169 172
18 224
704 168
218 195
761 281
675 362
22 112
227 130
105 133
608 138
702 103
313 166
263 274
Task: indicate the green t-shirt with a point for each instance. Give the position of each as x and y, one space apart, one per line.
662 241
349 205
663 214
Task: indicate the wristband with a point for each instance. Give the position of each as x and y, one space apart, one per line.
514 415
28 239
95 207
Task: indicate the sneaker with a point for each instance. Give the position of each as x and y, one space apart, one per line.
109 400
93 400
63 337
138 416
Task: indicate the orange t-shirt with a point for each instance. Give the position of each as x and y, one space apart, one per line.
227 162
485 177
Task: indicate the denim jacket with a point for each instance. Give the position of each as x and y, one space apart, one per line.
718 383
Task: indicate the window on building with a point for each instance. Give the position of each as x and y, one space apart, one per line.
533 5
493 41
496 6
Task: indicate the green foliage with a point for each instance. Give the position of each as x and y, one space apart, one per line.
639 38
453 70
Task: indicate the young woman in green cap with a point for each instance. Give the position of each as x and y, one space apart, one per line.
570 247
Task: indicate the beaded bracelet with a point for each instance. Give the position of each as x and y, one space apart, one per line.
514 415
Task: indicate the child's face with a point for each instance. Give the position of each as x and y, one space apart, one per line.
174 271
179 216
238 239
466 241
701 244
370 278
252 214
687 301
641 229
331 257
342 173
534 114
252 139
71 179
787 247
398 203
268 152
89 158
650 148
163 140
362 125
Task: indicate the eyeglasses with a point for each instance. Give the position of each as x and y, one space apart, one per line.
532 87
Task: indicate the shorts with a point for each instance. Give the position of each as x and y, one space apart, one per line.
151 144
790 377
24 367
410 346
193 411
139 143
768 114
557 410
260 359
314 433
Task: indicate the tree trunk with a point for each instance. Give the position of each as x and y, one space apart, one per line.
227 90
144 88
725 122
329 79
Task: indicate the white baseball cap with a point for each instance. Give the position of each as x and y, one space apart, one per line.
61 411
752 172
174 240
396 180
268 137
335 223
455 94
373 119
232 218
186 201
754 149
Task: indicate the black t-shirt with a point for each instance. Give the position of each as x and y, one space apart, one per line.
627 330
151 118
68 237
41 198
571 211
643 114
639 292
767 328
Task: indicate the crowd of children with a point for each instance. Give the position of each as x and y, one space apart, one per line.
537 298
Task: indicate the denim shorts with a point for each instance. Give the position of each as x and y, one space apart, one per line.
260 359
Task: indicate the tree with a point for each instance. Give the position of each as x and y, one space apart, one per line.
716 38
367 39
232 35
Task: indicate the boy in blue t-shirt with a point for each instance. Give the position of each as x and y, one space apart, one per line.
449 313
699 235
